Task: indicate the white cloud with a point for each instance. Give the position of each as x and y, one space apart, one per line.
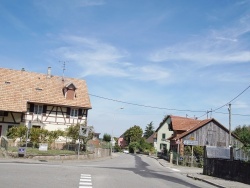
102 59
222 46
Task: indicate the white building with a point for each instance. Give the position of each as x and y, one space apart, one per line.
41 100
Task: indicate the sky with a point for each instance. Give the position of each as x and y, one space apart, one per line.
141 59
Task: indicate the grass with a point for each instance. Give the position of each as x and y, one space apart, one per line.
35 151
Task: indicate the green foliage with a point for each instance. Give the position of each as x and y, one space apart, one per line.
117 148
243 132
198 150
144 146
35 136
107 137
53 135
73 133
133 147
149 130
17 132
133 134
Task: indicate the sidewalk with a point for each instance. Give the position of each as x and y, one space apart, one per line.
196 173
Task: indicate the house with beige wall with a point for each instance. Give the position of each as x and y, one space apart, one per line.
41 100
163 134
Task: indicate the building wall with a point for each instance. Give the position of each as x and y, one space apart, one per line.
54 118
160 141
213 135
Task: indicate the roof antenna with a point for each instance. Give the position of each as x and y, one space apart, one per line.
63 66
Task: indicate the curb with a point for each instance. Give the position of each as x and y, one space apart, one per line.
207 181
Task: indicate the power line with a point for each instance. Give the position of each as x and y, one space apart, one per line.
155 107
231 100
181 110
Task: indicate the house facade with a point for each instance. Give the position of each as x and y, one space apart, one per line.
208 132
172 126
162 133
41 100
122 142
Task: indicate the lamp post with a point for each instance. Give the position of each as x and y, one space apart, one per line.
112 141
27 134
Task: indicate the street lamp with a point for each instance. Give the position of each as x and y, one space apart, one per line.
27 135
112 141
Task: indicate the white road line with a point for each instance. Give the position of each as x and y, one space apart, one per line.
85 181
175 169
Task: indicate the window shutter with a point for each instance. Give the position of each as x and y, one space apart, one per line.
80 112
44 109
68 111
31 107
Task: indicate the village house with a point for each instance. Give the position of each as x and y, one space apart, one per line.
41 100
172 126
208 132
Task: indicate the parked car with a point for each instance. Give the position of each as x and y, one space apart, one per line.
125 151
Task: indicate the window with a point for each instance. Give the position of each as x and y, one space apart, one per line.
163 135
74 112
38 109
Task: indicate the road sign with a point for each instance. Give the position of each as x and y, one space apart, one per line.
190 142
84 131
178 142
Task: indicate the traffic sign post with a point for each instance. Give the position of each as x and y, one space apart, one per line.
177 159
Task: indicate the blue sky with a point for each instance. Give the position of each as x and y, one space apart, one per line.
175 57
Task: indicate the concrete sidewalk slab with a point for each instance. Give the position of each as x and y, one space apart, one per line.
196 173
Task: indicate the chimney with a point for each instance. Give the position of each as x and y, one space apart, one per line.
49 72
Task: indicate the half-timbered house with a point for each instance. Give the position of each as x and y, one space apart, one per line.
41 100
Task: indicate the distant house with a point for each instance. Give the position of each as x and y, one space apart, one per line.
152 140
122 142
202 132
172 126
41 100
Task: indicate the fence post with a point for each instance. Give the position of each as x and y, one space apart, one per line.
171 158
204 160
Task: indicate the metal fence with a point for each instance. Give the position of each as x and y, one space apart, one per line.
240 154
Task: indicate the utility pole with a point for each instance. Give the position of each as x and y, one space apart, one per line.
229 110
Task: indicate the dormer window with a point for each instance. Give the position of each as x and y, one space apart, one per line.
69 91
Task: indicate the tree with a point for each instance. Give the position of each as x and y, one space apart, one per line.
53 135
73 133
17 132
243 132
107 137
149 130
133 134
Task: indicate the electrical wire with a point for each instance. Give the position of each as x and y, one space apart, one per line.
181 110
231 100
155 107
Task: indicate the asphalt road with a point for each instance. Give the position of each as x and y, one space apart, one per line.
124 171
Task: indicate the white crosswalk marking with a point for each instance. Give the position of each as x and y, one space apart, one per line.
85 181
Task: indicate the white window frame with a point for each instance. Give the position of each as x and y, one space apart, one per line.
74 112
38 109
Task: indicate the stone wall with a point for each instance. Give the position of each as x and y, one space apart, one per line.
227 169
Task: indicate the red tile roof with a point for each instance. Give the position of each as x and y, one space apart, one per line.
195 127
19 87
183 123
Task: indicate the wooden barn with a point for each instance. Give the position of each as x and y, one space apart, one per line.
205 132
